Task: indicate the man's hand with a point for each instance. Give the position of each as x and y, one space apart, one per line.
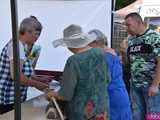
43 78
41 86
37 84
153 90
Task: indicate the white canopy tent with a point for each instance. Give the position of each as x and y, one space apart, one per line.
146 8
55 15
134 7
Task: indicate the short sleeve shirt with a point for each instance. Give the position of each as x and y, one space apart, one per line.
144 51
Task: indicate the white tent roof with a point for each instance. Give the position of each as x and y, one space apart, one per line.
146 8
151 2
134 7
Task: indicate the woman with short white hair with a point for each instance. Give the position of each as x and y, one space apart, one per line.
118 96
85 77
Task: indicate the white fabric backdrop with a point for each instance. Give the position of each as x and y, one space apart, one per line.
55 16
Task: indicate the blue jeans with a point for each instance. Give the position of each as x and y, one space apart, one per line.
142 104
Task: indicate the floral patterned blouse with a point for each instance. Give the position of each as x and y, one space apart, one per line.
84 83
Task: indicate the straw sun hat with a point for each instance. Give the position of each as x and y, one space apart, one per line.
73 37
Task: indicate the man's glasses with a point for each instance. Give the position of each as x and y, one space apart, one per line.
37 33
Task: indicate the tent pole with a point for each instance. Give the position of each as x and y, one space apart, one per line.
112 20
16 60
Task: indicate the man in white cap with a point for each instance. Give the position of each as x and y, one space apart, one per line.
85 77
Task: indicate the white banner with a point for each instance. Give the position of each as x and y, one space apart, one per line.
55 15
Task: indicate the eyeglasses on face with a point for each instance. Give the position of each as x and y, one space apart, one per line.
37 33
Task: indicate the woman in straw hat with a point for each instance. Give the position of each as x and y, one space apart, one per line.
85 77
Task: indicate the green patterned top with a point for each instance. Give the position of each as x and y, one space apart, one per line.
33 55
144 52
84 85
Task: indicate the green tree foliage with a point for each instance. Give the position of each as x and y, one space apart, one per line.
122 3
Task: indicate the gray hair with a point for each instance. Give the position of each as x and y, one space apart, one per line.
30 24
100 36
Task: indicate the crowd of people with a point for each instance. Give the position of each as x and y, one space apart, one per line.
97 84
